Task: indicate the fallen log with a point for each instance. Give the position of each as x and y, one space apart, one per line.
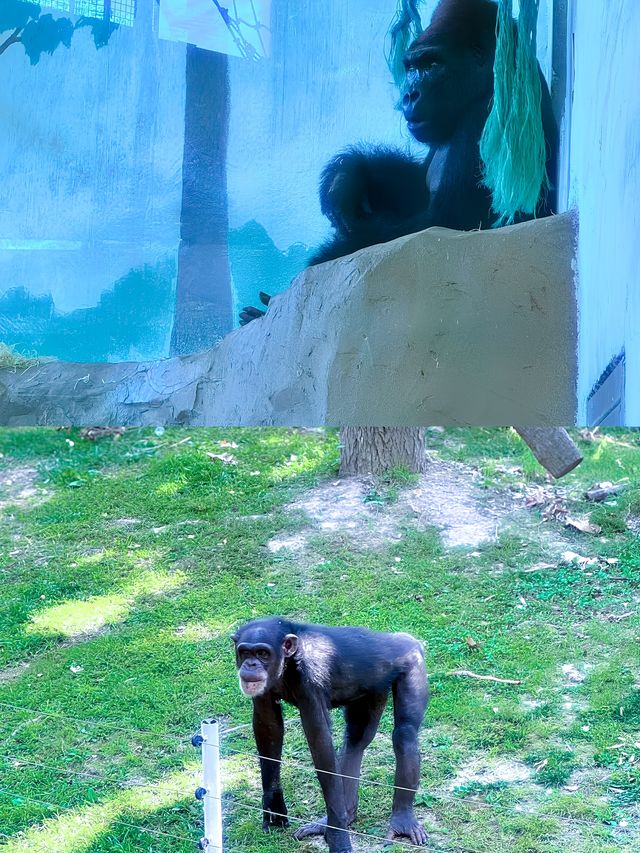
553 447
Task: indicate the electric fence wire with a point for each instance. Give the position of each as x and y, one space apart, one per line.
178 737
16 762
240 805
300 766
294 762
363 780
235 802
14 795
354 832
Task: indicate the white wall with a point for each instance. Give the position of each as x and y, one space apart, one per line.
605 187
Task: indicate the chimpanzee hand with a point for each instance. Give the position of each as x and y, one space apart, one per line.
274 812
249 313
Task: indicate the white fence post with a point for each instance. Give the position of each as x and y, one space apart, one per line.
210 793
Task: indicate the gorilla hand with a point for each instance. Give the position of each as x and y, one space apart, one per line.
344 195
250 313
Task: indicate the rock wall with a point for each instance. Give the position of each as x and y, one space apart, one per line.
440 327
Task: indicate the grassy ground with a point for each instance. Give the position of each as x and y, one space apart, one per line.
126 564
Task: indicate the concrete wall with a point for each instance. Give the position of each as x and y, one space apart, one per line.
605 187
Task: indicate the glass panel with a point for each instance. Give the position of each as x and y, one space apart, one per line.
157 174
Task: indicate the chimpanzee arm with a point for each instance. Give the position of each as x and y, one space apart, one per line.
268 730
316 723
361 182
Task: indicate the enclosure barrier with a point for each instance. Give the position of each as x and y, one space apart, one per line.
209 793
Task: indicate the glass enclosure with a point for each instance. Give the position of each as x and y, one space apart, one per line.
161 161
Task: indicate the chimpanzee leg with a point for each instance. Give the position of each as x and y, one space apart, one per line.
362 720
410 696
316 722
268 728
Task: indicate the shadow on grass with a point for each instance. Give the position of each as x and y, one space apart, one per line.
117 822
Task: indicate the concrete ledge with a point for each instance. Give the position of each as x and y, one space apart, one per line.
438 327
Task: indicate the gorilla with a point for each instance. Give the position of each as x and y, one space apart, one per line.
373 194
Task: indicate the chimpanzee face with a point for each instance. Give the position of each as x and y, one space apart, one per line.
260 661
255 662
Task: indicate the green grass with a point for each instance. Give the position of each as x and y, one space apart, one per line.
9 358
124 575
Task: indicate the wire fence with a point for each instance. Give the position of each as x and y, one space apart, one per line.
230 802
169 734
15 795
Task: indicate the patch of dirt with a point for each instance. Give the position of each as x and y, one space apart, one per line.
587 780
570 677
17 487
488 771
341 507
294 543
529 703
628 830
10 673
446 497
195 632
633 523
573 674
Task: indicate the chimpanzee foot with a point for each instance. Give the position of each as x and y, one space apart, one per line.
318 827
405 826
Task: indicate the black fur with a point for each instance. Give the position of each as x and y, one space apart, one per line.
372 194
315 668
367 194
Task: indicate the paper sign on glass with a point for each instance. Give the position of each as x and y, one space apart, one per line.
236 27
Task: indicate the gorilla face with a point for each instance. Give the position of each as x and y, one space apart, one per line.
443 81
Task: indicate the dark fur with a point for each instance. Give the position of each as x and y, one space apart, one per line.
315 668
446 107
471 23
373 194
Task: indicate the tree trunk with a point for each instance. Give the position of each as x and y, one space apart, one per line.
204 302
373 450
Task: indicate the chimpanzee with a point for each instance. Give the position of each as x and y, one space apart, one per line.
375 194
316 668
